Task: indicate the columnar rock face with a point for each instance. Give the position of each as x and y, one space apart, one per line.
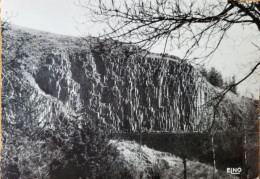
122 90
150 93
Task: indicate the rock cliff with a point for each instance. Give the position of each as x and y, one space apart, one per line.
123 90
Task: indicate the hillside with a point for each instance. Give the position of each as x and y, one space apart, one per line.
148 163
55 86
118 88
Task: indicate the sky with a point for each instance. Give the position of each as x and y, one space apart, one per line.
235 55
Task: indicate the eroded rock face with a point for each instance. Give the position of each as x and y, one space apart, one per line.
162 94
127 92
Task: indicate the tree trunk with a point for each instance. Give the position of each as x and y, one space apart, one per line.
213 155
184 167
245 169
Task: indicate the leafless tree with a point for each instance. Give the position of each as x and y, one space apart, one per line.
186 24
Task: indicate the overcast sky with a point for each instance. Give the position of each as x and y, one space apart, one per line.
234 57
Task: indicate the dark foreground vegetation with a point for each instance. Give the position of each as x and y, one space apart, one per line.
229 148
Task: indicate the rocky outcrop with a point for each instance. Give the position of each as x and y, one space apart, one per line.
124 91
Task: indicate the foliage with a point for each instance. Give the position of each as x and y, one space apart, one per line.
83 150
215 77
231 82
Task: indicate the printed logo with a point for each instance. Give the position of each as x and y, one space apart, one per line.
234 171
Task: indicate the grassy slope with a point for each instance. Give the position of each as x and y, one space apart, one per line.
143 162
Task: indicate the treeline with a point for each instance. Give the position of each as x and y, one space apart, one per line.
215 78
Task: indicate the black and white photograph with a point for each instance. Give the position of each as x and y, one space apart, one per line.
130 89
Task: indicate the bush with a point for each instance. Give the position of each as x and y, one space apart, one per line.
84 150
